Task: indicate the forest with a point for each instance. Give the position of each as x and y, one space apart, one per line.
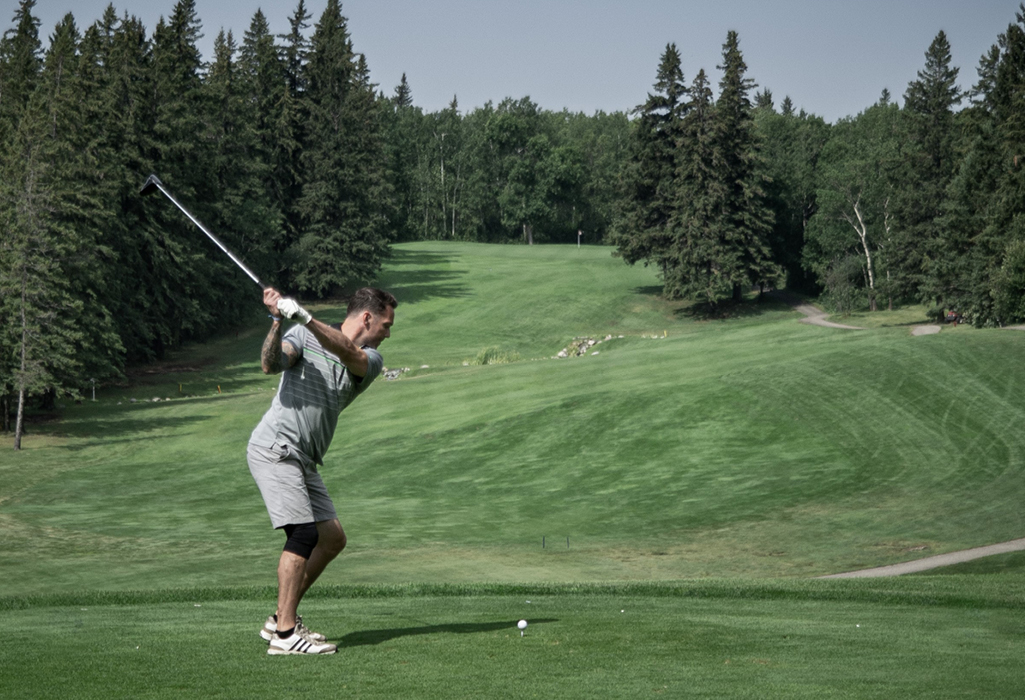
284 147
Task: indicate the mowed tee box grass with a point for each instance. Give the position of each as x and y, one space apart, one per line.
755 446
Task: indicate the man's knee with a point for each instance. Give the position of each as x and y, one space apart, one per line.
332 537
302 538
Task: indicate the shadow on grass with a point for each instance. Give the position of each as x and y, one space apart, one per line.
127 431
411 282
762 303
651 291
232 380
370 637
726 310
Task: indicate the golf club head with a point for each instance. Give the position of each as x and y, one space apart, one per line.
151 184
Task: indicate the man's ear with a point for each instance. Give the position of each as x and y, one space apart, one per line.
367 319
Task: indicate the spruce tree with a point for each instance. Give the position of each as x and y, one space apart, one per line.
189 278
292 117
1006 227
927 167
403 94
117 64
640 232
689 267
742 220
80 211
20 64
345 192
402 123
247 216
35 197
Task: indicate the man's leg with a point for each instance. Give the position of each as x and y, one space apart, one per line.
330 544
291 571
303 540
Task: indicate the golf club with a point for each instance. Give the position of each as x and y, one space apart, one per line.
153 183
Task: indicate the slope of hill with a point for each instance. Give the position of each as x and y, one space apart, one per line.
753 446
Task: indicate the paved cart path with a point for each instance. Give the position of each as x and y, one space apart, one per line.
911 567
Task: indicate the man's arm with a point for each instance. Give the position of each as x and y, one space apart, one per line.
331 339
336 342
276 355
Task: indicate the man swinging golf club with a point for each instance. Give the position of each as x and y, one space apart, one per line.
323 369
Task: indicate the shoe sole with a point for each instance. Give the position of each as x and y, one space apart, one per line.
266 635
282 652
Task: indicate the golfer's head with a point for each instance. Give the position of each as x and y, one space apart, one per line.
374 309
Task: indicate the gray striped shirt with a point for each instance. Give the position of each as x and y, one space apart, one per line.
312 393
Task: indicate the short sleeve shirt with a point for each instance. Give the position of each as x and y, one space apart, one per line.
311 395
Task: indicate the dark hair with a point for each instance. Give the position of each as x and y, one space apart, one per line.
376 301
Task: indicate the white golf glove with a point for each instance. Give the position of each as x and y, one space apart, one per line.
290 309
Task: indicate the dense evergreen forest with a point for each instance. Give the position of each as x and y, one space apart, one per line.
283 146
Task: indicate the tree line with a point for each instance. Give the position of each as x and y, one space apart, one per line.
920 203
284 147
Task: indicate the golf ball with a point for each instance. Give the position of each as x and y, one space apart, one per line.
522 624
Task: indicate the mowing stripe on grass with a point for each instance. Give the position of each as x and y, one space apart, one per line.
994 592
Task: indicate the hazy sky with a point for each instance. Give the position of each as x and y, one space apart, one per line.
832 57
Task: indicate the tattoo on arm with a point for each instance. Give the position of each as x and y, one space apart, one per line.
270 356
290 353
277 355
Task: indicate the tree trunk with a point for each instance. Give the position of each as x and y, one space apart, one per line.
20 422
528 233
862 230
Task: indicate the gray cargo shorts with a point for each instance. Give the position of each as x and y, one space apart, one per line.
291 488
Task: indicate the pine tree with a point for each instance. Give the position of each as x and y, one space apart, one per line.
763 100
402 124
189 278
403 94
20 64
81 213
38 243
118 78
689 267
345 192
292 117
262 92
743 221
247 218
927 168
1006 227
640 232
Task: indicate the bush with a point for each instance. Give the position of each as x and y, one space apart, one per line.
1008 290
494 355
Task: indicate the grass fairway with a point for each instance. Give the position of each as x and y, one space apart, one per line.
714 639
750 449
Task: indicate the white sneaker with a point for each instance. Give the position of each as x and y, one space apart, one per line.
299 642
270 628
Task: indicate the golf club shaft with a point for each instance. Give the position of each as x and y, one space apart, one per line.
153 180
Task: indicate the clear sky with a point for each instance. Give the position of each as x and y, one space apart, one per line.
832 57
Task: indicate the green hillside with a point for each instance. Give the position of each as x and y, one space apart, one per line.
755 446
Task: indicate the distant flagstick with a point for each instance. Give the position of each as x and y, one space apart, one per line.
154 183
